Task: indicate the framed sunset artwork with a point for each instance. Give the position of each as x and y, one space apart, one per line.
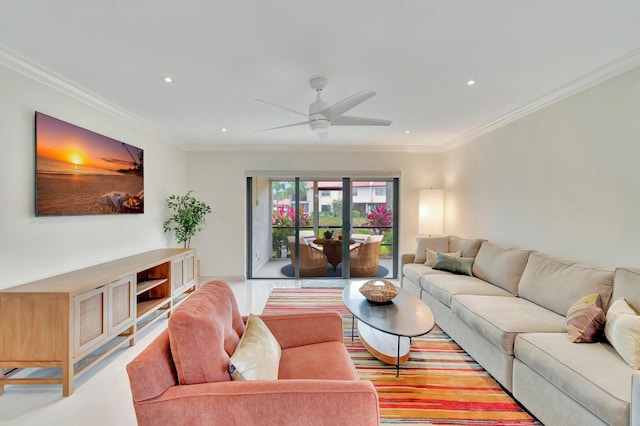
80 172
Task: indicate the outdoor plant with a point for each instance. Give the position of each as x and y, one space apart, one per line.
189 215
282 220
380 218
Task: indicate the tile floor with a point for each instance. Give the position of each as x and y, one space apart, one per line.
102 396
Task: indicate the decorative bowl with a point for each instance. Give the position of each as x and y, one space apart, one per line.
379 291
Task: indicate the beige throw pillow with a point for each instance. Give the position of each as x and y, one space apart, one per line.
623 331
432 255
257 356
586 319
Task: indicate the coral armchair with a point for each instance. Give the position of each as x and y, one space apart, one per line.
182 378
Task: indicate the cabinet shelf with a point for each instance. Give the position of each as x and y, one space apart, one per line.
148 285
146 306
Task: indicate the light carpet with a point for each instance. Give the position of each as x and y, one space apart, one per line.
439 385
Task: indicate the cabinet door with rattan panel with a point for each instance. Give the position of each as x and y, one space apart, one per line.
90 320
190 269
121 304
177 275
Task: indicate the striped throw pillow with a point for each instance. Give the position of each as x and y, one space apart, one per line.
586 319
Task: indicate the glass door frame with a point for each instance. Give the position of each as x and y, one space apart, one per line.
347 219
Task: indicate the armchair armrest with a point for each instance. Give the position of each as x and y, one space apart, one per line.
282 402
292 330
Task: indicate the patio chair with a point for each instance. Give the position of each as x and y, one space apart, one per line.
364 259
313 262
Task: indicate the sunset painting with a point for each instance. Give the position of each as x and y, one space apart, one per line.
79 172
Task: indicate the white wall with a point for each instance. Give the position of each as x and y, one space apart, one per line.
218 178
563 180
36 247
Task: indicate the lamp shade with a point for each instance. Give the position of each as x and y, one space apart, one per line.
431 212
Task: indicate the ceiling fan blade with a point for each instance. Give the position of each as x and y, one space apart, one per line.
283 107
345 105
286 125
348 120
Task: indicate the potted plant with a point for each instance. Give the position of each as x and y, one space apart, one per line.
189 215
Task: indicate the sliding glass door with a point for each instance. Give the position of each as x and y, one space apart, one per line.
327 228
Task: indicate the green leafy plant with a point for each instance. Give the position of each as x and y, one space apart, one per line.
189 215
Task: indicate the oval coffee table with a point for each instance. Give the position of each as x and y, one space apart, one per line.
386 329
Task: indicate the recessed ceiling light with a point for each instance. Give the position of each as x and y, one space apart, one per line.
168 79
471 82
223 129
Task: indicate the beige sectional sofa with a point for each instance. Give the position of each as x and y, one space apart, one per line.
510 316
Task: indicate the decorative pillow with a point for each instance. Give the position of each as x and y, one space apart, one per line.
373 239
586 319
308 240
457 265
257 356
623 331
432 255
359 238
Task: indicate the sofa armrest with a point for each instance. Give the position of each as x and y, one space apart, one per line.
292 330
407 258
404 259
634 410
282 402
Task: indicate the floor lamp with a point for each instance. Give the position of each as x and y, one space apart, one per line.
431 212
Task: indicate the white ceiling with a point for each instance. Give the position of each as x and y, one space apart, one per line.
416 54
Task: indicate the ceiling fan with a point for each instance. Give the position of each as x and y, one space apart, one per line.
321 115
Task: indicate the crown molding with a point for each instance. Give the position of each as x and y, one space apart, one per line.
313 148
607 71
20 64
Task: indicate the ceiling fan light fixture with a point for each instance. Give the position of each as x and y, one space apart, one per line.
319 126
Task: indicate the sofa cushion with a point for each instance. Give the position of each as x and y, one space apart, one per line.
585 320
257 355
626 283
501 319
444 287
203 333
432 256
623 331
414 271
593 375
457 265
328 361
433 243
468 247
556 284
500 266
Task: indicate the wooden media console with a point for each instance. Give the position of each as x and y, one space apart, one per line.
74 320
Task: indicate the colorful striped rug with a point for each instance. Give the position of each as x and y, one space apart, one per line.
439 385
